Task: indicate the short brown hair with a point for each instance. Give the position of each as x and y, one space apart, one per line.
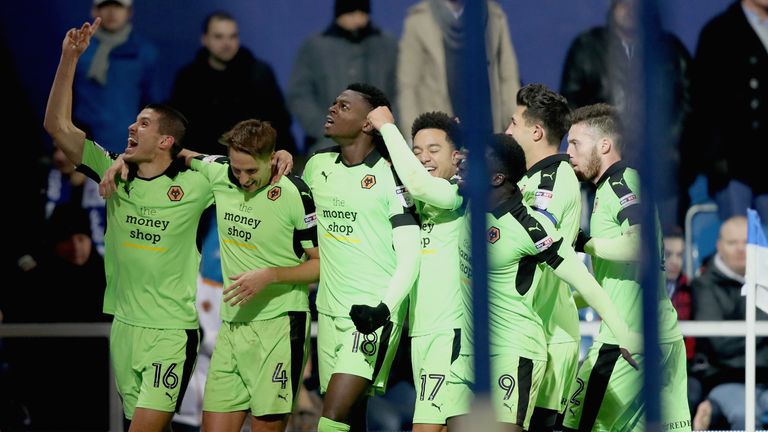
254 137
602 117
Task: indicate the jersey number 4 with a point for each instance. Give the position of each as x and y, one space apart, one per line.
280 376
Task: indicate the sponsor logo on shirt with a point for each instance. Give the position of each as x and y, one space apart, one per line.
274 193
368 181
210 158
544 243
494 234
627 200
175 193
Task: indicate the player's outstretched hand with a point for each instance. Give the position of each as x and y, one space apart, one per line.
380 116
368 319
76 41
108 184
628 358
282 164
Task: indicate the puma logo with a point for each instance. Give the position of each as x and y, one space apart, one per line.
324 175
439 407
534 228
618 183
550 175
510 408
283 397
169 395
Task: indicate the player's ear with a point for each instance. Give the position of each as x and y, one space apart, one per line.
498 179
606 144
368 127
167 142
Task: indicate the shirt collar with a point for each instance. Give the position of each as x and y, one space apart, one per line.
547 161
616 167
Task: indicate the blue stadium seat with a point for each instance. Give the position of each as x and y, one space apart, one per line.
702 227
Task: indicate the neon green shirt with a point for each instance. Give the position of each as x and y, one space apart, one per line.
616 208
270 227
357 208
150 244
551 187
519 239
436 301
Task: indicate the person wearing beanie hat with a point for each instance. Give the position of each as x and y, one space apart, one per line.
116 77
342 7
351 49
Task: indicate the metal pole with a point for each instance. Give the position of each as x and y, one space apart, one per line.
648 126
475 115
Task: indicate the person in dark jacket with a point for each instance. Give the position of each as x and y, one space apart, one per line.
717 297
598 68
730 107
351 49
226 84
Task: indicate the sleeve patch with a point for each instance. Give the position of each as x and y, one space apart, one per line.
628 200
544 243
405 198
310 220
541 199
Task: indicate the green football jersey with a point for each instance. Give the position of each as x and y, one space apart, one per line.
550 186
151 254
436 300
616 208
270 227
357 208
519 239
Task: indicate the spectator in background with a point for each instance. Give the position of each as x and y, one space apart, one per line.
598 68
730 107
429 63
116 77
67 185
679 291
225 84
350 50
717 296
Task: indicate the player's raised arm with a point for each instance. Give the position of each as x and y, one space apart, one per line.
58 112
422 186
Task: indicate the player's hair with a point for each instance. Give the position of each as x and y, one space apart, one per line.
171 122
547 107
439 120
506 157
375 98
603 117
217 15
254 137
373 95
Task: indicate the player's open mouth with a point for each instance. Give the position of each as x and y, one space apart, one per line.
328 121
132 142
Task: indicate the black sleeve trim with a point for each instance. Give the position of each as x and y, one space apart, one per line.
91 174
622 191
403 220
547 178
305 193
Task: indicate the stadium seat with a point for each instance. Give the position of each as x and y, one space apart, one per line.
702 225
